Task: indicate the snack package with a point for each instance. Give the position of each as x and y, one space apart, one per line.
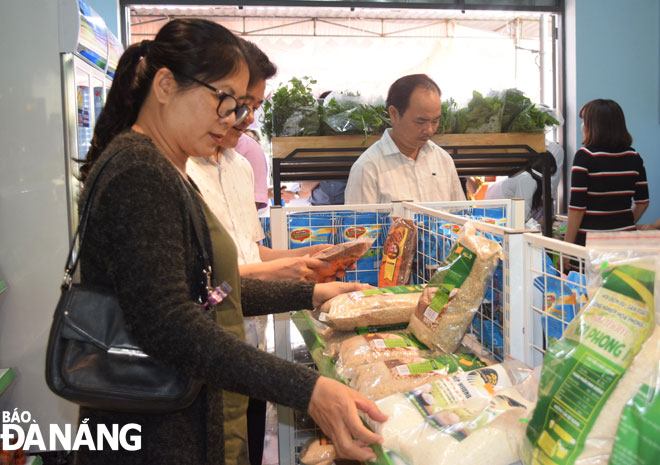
597 395
454 293
383 378
342 256
470 418
381 306
398 253
372 347
306 229
318 451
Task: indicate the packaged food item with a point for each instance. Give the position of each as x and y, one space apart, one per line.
471 418
398 253
306 229
342 256
371 347
318 451
383 378
454 293
381 306
356 225
606 366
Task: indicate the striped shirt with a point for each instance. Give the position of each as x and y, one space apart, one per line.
383 174
604 185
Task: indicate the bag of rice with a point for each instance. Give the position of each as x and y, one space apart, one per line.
383 378
380 306
398 253
372 347
470 418
454 293
342 256
608 357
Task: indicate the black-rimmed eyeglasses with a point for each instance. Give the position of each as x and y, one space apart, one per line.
227 103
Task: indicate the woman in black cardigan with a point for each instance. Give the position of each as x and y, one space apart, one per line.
170 99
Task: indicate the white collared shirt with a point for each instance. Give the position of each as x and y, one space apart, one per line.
228 189
383 174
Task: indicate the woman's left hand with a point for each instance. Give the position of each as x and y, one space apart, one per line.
325 291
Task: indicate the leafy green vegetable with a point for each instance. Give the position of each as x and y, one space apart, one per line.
293 107
349 117
532 120
515 102
482 115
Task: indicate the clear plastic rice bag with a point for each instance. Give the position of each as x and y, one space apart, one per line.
471 418
380 306
383 378
453 294
372 347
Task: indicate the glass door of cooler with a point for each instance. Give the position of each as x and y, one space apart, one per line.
84 96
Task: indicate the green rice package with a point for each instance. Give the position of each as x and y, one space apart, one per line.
597 401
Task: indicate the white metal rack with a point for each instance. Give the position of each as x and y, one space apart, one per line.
500 321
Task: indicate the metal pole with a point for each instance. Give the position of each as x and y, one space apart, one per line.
543 25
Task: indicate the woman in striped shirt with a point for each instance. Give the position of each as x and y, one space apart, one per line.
609 191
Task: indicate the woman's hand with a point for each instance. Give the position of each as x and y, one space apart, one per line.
334 407
325 291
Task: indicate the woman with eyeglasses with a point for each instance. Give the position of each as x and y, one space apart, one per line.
173 98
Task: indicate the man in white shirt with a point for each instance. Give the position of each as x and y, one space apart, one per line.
405 164
227 185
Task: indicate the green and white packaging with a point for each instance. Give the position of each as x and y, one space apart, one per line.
606 356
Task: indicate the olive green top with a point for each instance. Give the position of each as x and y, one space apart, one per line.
228 314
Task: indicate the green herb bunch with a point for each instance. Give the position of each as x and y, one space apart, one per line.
288 101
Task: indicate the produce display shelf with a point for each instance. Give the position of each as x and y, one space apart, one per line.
7 375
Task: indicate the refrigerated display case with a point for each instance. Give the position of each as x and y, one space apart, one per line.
89 54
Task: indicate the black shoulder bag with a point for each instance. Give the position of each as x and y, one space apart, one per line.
92 359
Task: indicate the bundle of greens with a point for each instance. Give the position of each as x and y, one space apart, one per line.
352 117
292 110
521 115
482 115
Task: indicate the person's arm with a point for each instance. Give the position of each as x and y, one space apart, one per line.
641 196
259 297
578 202
573 224
306 188
285 269
267 254
638 210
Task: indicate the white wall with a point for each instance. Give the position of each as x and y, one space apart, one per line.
33 212
617 56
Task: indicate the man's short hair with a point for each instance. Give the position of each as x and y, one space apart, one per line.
400 92
259 65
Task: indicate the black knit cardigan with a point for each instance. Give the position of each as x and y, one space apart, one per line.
140 242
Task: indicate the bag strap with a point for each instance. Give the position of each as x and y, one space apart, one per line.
72 262
197 226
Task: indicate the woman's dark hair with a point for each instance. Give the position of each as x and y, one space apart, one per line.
188 48
605 126
261 68
400 92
